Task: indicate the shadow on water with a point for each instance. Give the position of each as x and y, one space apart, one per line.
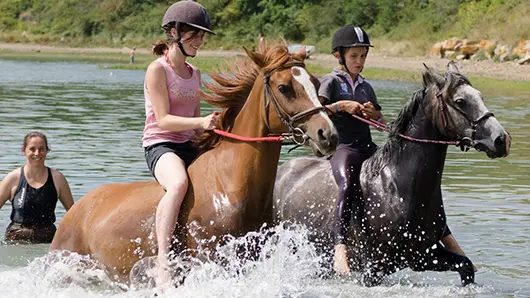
94 120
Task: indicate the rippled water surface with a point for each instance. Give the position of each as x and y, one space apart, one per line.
94 120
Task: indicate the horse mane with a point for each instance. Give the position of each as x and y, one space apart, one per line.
231 85
452 81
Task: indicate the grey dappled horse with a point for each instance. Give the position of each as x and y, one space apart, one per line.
403 208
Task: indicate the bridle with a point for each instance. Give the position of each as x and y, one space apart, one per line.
466 142
296 133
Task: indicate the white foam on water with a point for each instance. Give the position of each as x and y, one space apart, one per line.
287 266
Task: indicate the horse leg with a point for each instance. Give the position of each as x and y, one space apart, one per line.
323 243
250 249
373 276
443 259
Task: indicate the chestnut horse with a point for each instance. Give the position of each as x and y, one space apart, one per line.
230 191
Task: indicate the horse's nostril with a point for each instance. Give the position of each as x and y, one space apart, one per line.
500 141
321 135
327 138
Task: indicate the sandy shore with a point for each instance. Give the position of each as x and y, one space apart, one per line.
507 70
486 68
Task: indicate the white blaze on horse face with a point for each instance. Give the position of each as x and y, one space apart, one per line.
479 107
302 77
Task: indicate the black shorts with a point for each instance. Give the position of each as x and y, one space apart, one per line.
186 151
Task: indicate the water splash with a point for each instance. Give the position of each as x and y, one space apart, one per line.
283 264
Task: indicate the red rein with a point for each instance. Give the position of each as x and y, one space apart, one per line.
249 139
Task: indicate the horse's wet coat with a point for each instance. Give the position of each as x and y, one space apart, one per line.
230 189
403 209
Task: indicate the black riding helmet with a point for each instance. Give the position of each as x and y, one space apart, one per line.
186 12
349 37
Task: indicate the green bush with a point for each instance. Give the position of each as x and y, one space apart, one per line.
238 22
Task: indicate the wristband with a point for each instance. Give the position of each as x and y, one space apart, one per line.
336 107
379 118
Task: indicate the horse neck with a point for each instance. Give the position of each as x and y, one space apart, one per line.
427 158
425 163
259 160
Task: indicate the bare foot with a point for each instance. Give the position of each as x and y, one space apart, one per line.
162 274
340 264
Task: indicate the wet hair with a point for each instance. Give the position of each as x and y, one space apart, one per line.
34 134
161 46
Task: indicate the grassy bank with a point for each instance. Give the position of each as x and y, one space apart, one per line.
207 64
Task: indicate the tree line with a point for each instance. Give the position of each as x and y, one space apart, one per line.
238 22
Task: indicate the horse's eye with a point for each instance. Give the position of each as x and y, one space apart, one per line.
460 101
282 88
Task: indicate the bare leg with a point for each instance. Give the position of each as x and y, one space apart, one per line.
450 243
340 263
170 171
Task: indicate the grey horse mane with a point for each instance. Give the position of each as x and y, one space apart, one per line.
432 84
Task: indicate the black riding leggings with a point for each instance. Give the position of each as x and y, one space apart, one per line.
346 165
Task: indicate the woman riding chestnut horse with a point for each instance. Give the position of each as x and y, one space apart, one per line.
230 186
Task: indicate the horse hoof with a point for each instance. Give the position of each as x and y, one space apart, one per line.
470 279
467 276
370 281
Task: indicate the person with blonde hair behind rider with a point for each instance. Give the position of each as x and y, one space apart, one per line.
172 107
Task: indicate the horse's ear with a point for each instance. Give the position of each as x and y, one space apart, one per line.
426 67
451 66
430 77
258 58
301 55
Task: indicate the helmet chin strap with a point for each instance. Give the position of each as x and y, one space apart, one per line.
181 47
179 42
343 59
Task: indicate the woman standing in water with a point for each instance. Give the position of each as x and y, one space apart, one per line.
33 191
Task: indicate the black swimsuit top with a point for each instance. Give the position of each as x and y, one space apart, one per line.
32 206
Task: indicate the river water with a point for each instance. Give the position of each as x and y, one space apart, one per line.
94 117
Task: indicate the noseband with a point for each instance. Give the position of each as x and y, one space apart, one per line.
297 134
464 142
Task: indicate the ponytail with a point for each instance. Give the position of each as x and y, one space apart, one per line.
160 47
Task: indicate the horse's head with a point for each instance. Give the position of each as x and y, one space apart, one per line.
463 115
290 100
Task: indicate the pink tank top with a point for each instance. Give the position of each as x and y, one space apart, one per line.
183 99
